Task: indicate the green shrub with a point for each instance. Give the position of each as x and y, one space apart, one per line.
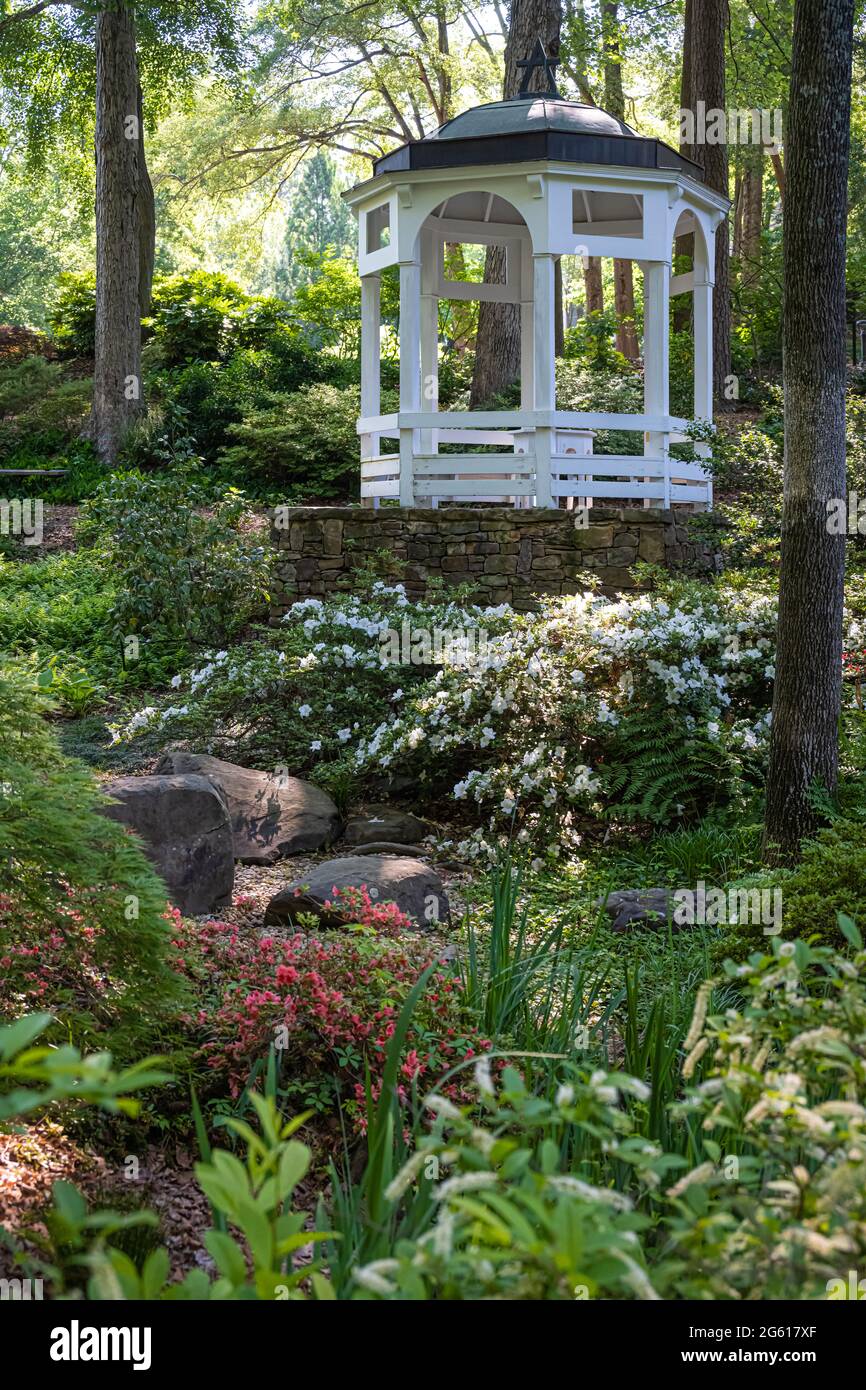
305 443
59 604
330 306
591 341
201 316
185 573
602 384
204 317
42 410
211 397
83 469
191 315
682 378
25 383
830 878
160 438
83 925
73 317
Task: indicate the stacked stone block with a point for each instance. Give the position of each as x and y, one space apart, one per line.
507 555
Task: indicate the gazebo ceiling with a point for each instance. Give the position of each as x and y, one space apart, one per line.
478 207
535 126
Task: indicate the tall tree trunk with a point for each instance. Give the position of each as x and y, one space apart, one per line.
497 346
592 285
807 696
753 214
739 200
614 101
684 246
709 21
124 232
147 224
623 290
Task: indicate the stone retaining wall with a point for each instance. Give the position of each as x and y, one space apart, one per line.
508 555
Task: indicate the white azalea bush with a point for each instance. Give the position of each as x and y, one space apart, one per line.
302 695
647 708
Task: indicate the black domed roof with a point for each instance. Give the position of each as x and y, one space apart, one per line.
534 112
535 125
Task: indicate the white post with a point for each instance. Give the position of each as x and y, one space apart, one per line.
370 359
656 345
703 320
544 371
527 349
410 372
429 336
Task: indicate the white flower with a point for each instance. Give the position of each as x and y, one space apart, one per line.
305 711
465 1182
176 681
316 745
344 735
483 1077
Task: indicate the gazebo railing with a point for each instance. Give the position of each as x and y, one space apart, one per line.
561 440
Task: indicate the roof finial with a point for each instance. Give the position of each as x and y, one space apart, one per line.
539 59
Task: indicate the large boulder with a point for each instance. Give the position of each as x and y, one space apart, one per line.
371 824
271 816
184 823
412 885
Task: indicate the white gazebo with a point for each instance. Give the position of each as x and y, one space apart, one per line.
542 177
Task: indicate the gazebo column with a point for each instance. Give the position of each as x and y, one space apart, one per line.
527 348
656 346
544 371
429 340
371 352
703 364
410 372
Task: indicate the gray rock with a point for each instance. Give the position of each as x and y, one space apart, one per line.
187 834
630 907
271 816
391 847
371 823
412 885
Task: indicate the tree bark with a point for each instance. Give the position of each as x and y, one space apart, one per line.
623 290
807 696
710 21
592 285
124 232
753 217
614 100
497 345
684 246
739 198
147 225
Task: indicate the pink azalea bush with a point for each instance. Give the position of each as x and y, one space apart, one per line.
328 1003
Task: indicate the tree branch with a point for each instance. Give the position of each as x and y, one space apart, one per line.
33 11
